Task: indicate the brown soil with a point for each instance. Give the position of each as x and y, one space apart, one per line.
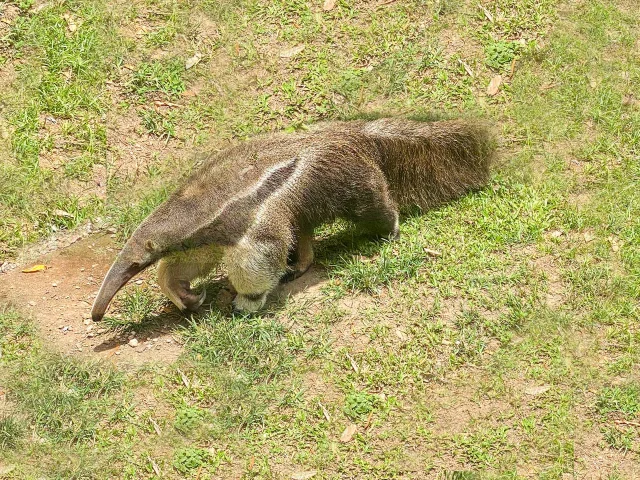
59 301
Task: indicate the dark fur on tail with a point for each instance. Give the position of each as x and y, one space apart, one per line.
428 163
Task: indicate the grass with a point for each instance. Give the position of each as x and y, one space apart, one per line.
512 354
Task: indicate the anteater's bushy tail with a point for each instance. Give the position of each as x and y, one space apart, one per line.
428 163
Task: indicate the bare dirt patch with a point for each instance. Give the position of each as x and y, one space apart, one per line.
59 301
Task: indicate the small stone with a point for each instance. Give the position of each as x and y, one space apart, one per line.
31 303
87 321
133 343
118 352
54 284
139 282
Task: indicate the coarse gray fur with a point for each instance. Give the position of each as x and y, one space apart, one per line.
254 206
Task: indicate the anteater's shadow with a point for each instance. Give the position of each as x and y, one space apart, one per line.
334 247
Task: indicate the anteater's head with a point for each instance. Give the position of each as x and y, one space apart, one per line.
159 235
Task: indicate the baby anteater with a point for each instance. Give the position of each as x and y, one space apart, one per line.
254 207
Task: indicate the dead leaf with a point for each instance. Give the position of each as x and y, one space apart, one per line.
185 380
62 213
41 7
193 61
588 236
155 425
189 94
431 253
615 245
466 67
304 475
534 391
487 13
154 465
401 335
348 433
34 269
354 365
143 30
292 52
71 23
556 234
325 412
160 103
328 5
494 86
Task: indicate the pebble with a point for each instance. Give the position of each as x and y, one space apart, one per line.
87 321
54 284
133 342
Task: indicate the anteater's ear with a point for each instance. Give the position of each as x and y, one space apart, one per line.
151 246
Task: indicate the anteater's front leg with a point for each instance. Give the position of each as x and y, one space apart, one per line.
255 267
177 271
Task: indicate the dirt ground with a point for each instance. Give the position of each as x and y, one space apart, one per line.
75 267
67 288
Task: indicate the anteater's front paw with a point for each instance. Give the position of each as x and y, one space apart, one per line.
190 301
250 302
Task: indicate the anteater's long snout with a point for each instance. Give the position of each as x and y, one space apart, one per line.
117 277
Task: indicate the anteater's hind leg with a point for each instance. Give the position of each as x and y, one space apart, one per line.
177 271
300 257
376 211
